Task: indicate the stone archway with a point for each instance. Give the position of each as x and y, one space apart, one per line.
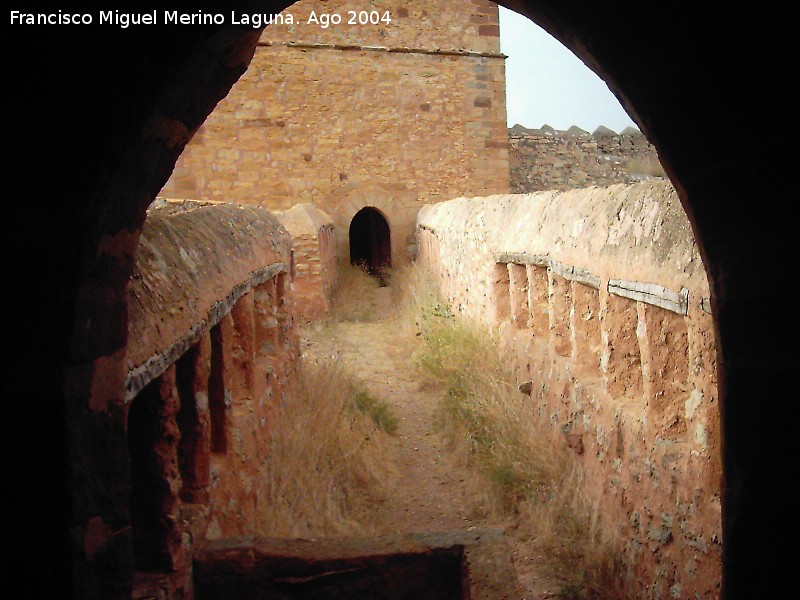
396 207
370 242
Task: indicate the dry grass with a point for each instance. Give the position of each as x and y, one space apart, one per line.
327 468
375 409
355 296
413 295
644 166
527 474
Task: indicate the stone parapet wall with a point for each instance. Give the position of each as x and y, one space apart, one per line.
190 256
212 348
547 159
601 297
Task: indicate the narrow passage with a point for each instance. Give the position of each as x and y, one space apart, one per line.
430 493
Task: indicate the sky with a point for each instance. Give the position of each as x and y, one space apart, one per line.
547 84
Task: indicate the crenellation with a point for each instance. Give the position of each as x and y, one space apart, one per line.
192 376
622 358
665 367
153 436
585 328
501 293
518 295
559 295
537 299
547 159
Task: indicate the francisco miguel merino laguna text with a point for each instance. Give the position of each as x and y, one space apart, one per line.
166 17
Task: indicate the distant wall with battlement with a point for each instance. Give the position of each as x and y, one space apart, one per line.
549 159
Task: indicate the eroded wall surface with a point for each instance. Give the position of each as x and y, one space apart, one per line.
602 299
212 347
390 115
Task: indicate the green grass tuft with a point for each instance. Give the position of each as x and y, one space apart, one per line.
377 410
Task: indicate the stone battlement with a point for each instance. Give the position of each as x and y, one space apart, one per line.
550 159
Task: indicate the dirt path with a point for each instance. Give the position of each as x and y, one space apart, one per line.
430 493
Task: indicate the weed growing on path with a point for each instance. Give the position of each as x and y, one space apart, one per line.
528 475
326 467
355 298
377 410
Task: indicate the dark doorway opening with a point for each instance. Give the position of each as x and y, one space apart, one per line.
370 244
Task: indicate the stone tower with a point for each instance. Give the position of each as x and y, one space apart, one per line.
393 106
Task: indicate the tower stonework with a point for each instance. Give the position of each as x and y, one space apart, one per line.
398 105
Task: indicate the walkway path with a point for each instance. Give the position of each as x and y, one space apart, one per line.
432 492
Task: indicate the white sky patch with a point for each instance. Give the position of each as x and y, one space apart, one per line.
548 84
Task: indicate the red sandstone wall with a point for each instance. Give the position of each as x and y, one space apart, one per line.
414 24
315 259
212 346
391 116
601 296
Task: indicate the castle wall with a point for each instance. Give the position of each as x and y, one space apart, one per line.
314 259
212 347
351 115
547 159
602 299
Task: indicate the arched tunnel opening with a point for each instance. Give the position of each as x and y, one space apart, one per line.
751 487
370 243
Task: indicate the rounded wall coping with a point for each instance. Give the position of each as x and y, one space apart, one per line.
304 219
192 262
636 232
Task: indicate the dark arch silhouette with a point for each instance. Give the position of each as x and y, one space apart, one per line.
688 80
149 525
370 242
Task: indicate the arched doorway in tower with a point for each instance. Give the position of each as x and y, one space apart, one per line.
370 243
